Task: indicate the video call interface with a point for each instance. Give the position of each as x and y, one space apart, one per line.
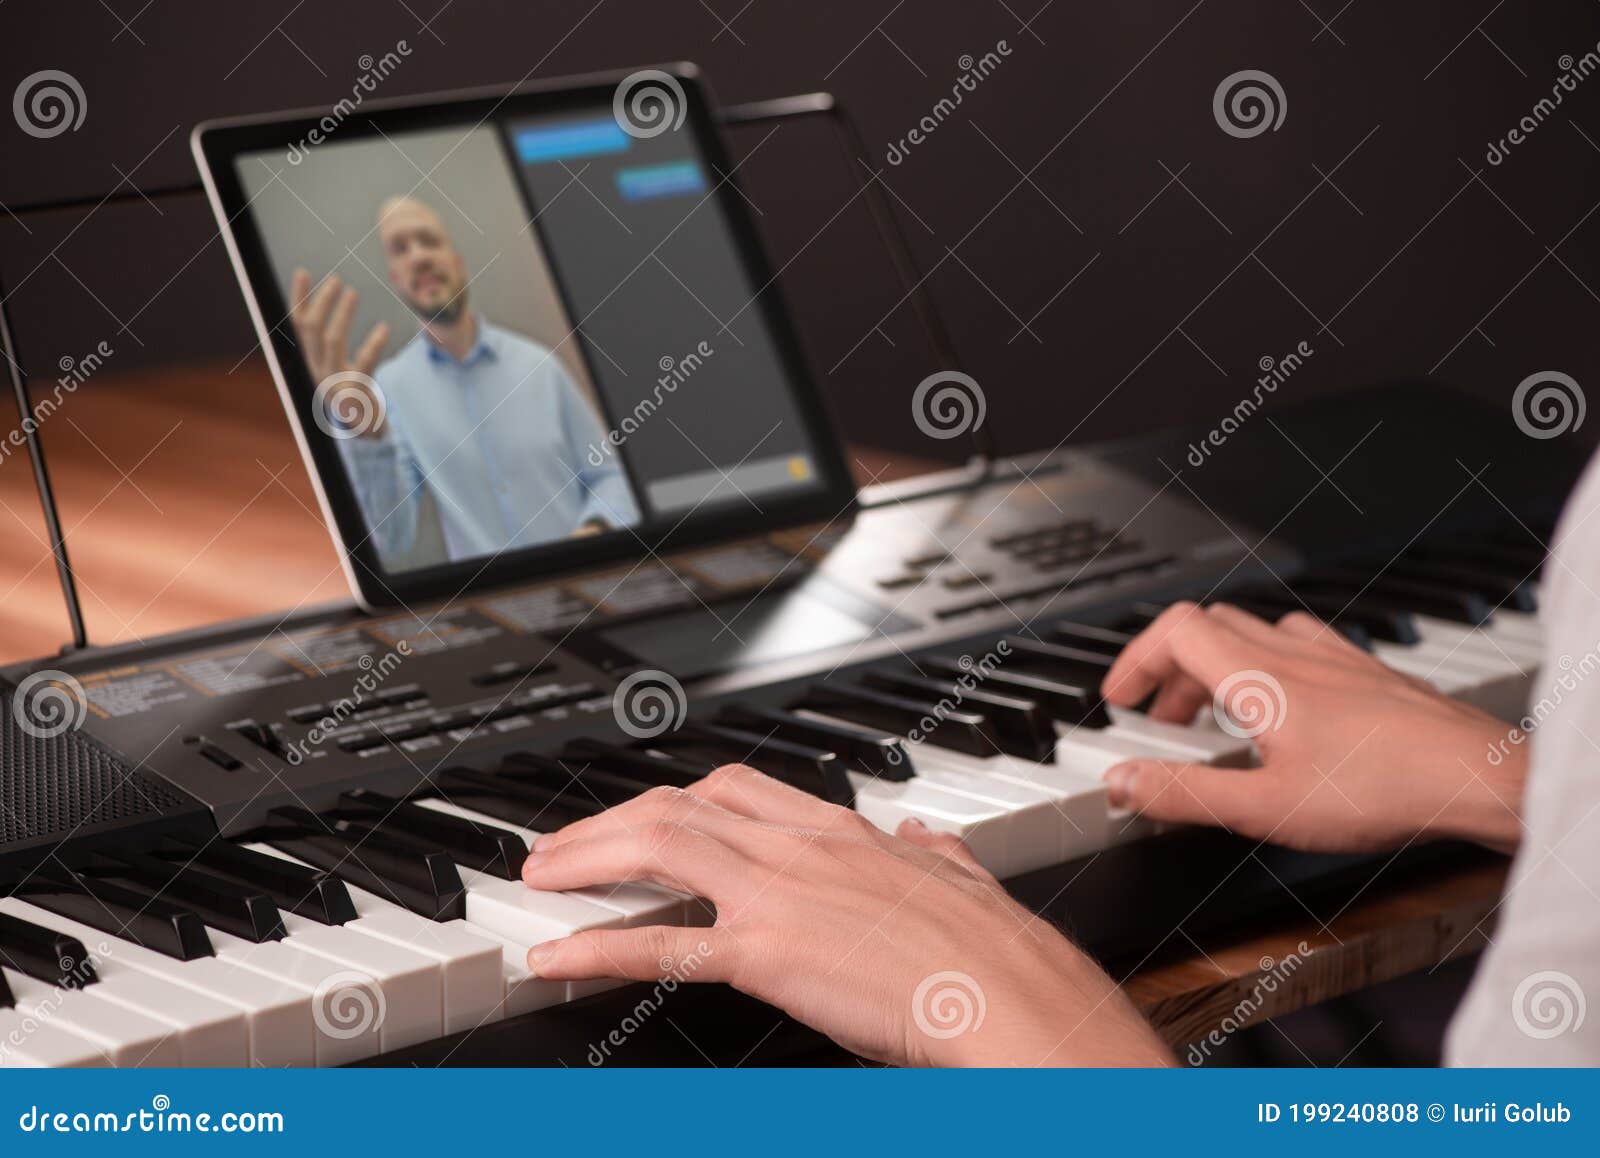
527 332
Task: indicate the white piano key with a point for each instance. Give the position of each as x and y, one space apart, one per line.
642 902
210 1032
278 1016
1448 678
982 826
469 966
1517 625
29 1042
523 991
1195 745
335 996
1508 648
127 1038
1077 799
1035 832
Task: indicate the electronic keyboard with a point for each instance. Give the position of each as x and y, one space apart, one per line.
297 841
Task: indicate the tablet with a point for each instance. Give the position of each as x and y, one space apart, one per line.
521 330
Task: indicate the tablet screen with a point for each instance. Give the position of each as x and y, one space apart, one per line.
531 329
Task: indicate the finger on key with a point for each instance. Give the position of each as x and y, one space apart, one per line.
1181 639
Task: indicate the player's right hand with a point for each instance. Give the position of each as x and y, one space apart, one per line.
322 319
1355 756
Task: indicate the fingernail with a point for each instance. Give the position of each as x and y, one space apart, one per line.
532 863
540 955
541 842
913 824
1118 780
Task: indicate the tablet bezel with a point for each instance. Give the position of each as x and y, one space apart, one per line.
216 144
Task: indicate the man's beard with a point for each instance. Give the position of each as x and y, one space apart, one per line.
445 315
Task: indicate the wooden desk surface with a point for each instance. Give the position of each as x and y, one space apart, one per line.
155 553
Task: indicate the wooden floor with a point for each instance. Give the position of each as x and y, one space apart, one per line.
185 503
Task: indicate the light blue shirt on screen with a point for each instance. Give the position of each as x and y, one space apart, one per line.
501 440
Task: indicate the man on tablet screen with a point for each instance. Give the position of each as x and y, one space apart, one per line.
481 425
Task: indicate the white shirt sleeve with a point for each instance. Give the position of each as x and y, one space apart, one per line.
1528 1004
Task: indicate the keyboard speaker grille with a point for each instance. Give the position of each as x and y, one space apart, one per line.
57 786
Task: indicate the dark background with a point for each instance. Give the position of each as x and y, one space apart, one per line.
1414 258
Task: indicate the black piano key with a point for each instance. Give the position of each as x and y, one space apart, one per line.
1525 558
302 890
1390 624
7 1001
426 882
1351 629
818 771
1023 726
1105 640
1416 596
44 954
881 753
636 763
1497 587
960 730
506 799
1076 705
1057 659
573 777
243 910
480 847
156 924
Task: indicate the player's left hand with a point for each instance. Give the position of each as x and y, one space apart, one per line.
901 948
